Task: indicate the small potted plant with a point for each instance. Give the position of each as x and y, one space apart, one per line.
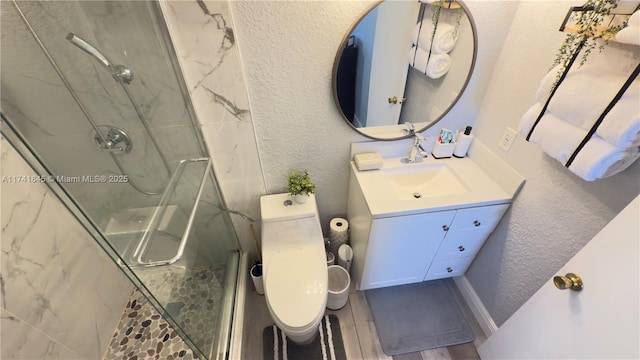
300 186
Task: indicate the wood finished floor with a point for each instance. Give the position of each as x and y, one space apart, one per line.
358 331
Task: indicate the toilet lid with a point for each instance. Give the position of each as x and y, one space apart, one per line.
296 287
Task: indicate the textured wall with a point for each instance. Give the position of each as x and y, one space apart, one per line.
556 213
287 50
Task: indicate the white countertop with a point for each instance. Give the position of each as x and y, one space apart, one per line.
480 187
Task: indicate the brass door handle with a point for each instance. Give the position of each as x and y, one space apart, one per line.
569 281
394 100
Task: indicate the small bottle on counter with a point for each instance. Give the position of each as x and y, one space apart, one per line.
463 143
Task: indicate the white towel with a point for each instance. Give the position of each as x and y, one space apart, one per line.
587 91
438 66
629 35
634 19
444 40
434 66
559 139
418 59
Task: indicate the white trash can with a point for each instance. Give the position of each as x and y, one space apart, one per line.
339 281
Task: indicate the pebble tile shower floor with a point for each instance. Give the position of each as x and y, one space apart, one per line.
191 296
143 334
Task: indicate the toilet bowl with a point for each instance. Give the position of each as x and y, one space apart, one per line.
294 265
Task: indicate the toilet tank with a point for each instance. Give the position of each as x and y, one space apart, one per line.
280 207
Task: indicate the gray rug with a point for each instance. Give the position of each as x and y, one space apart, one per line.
327 345
418 317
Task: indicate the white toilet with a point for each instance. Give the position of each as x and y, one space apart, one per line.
294 265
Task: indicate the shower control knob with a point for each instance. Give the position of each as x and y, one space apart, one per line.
113 139
123 73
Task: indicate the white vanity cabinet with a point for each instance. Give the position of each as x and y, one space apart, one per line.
417 221
400 249
394 250
464 238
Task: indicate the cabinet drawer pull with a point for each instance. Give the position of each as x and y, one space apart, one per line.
445 228
449 270
461 248
476 223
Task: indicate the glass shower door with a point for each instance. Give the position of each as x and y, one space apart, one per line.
129 153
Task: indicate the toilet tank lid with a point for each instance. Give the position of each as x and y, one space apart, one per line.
280 207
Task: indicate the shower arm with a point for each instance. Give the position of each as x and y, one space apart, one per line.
89 49
119 72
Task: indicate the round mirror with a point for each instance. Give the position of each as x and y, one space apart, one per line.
404 62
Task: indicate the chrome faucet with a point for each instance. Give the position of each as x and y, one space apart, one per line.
415 153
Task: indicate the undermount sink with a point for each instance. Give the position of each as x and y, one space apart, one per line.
420 180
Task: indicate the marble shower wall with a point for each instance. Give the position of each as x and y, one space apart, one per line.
62 297
203 36
36 100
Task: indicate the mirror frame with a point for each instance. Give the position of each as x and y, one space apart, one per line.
336 62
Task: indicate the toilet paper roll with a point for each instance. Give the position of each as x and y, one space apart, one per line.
338 234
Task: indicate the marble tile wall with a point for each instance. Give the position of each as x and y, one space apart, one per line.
203 36
62 297
36 100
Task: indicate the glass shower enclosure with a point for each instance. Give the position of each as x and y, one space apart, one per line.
93 91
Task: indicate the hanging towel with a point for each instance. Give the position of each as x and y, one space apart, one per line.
629 35
586 92
418 59
634 19
597 159
444 40
434 66
438 66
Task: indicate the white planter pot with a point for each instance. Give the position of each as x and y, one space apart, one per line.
301 199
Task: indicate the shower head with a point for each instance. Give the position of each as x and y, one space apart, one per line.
119 72
89 49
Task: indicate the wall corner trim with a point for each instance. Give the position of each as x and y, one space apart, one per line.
480 313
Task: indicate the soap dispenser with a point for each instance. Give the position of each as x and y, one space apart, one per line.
463 142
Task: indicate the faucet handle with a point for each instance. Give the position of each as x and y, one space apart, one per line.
411 128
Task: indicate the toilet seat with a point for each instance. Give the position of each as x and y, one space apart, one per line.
296 287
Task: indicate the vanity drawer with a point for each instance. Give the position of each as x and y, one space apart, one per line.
483 218
448 268
459 246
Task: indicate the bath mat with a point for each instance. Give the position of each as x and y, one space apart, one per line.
418 317
327 344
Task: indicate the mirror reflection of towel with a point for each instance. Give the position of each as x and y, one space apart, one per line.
434 66
444 40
